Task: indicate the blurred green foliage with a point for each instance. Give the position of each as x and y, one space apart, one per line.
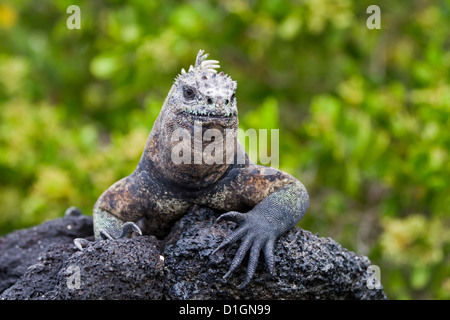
364 115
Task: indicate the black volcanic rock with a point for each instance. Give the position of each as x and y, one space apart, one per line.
42 263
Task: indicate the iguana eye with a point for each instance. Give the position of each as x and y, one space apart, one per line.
188 93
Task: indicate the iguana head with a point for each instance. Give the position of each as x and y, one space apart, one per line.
199 109
204 95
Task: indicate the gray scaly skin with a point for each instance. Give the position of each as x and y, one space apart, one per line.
265 202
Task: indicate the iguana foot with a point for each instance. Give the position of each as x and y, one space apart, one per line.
128 229
257 234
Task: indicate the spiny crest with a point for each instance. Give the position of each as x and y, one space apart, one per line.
204 70
202 64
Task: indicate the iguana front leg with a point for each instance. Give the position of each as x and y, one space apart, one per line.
118 208
108 226
284 204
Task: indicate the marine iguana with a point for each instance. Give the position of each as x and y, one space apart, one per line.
264 201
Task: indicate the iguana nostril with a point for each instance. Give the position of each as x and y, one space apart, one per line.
226 101
210 101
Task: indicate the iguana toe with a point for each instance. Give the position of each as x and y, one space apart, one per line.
128 229
80 243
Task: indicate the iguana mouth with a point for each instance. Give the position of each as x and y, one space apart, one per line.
210 115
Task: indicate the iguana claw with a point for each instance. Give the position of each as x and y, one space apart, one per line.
256 235
127 230
80 243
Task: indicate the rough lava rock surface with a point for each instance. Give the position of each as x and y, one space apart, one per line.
20 249
42 263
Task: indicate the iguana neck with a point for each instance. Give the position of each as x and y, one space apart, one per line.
194 174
